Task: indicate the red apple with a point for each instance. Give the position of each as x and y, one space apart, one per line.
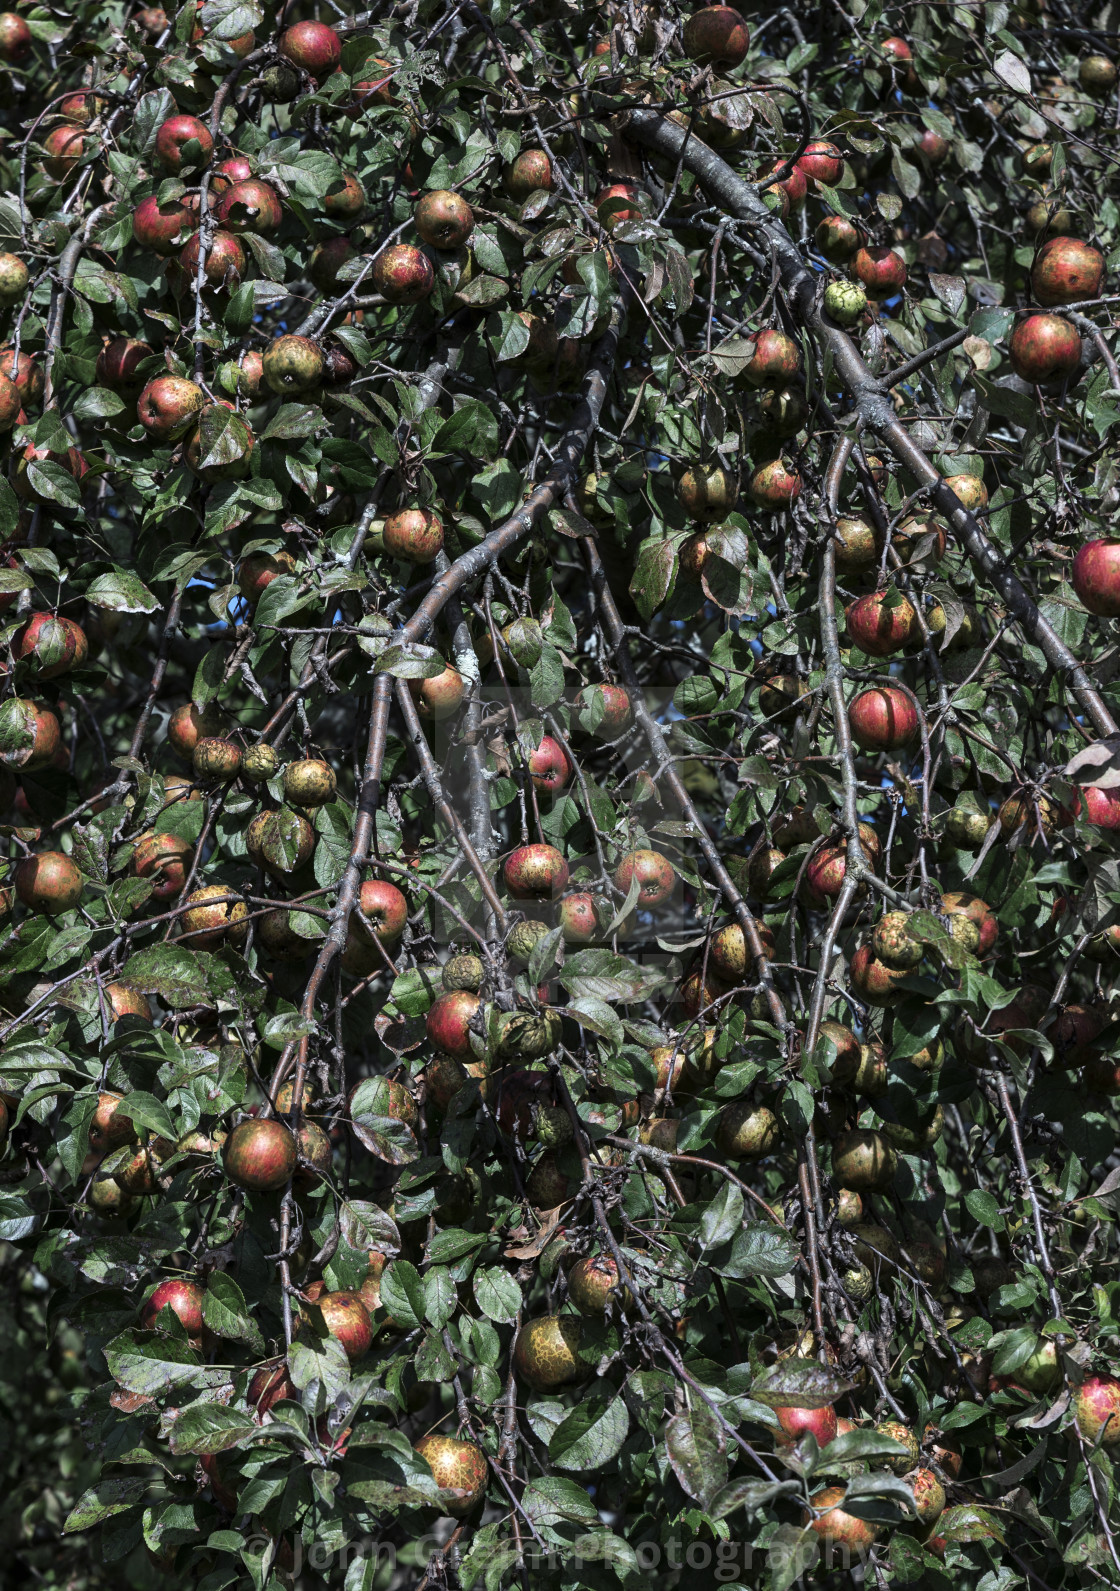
654 873
822 162
1096 577
260 1155
775 485
160 227
614 701
883 718
1065 270
41 737
169 406
842 1529
270 1385
447 1023
881 270
774 359
530 173
16 38
878 629
440 696
345 1317
327 260
234 169
900 57
184 1299
250 206
383 909
549 767
345 198
836 238
1096 1410
50 882
414 535
794 184
444 219
174 134
11 404
225 261
188 724
118 362
403 274
579 918
535 872
1044 348
716 36
795 1421
66 147
164 858
1098 806
51 645
259 570
312 46
26 371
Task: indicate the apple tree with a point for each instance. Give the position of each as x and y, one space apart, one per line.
560 786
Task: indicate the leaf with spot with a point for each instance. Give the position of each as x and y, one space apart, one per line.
697 1451
121 591
226 1313
655 573
805 1382
209 1428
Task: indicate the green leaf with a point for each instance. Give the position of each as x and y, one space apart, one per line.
151 111
723 1217
147 1111
98 403
550 1500
158 1365
53 483
497 1294
860 1445
209 1428
507 335
591 1435
122 591
805 1382
440 1297
223 437
655 573
170 971
984 1208
18 1219
115 1495
412 660
748 1494
375 1126
762 1249
226 1313
471 430
209 674
402 1293
696 1449
292 420
9 509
